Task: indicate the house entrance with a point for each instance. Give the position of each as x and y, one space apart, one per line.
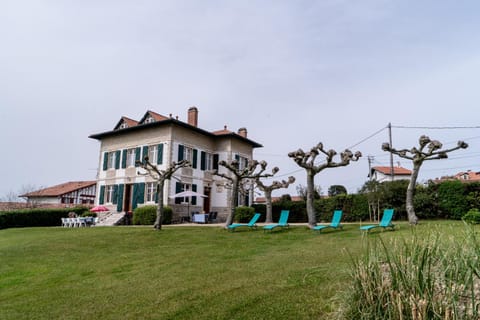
206 201
127 199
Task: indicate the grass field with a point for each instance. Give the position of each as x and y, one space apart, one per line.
180 272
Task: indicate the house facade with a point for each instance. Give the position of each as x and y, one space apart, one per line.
383 173
122 186
66 194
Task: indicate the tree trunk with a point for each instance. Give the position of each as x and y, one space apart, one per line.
412 217
268 199
312 219
158 221
233 201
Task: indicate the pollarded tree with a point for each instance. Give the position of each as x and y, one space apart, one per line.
254 170
160 176
429 150
267 190
306 160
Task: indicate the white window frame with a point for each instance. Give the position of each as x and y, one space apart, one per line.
150 191
149 119
123 125
208 161
131 157
109 193
153 154
242 162
188 154
111 160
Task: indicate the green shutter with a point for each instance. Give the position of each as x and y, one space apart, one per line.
178 188
120 198
138 194
194 199
124 158
118 153
160 154
180 152
203 160
101 195
145 154
156 192
195 156
114 196
215 161
138 155
105 161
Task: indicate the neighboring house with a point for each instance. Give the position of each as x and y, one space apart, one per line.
69 193
263 200
165 140
382 174
464 176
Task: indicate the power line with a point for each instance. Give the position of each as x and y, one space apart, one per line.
367 138
436 128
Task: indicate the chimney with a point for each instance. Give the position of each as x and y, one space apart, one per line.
193 116
242 132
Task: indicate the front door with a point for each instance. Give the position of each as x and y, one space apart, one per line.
127 202
206 201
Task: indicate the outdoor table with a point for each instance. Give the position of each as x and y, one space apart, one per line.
200 218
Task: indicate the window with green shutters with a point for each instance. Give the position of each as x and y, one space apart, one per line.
178 189
160 154
180 152
105 161
145 153
206 161
194 158
138 155
194 189
215 161
124 158
101 195
120 197
138 195
117 159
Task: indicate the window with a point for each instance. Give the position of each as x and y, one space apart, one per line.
242 162
149 119
123 125
111 160
151 191
188 154
153 154
109 194
208 161
131 157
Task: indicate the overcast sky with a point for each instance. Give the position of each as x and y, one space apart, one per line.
294 73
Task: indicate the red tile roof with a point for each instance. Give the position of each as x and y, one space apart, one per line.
60 189
154 115
130 122
274 199
468 176
398 171
222 132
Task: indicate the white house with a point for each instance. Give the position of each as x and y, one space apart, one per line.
68 193
166 139
383 173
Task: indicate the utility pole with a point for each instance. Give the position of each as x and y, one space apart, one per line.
391 154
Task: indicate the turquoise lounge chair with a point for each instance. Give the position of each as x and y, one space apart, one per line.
251 224
335 224
385 223
282 222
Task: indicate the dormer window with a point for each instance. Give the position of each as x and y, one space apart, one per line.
149 119
123 125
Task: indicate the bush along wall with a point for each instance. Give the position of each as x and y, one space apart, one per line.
147 215
36 217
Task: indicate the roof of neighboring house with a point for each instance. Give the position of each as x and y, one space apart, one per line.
163 121
468 176
397 171
154 115
60 189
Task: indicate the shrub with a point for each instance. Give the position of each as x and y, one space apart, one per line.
147 215
36 217
243 214
472 216
452 202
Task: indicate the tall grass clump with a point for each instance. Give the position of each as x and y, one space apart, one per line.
431 277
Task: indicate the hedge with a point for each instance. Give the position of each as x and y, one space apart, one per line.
36 217
147 215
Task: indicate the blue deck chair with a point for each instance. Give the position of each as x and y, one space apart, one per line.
282 222
251 224
335 224
385 223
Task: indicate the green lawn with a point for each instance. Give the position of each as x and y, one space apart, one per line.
179 272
